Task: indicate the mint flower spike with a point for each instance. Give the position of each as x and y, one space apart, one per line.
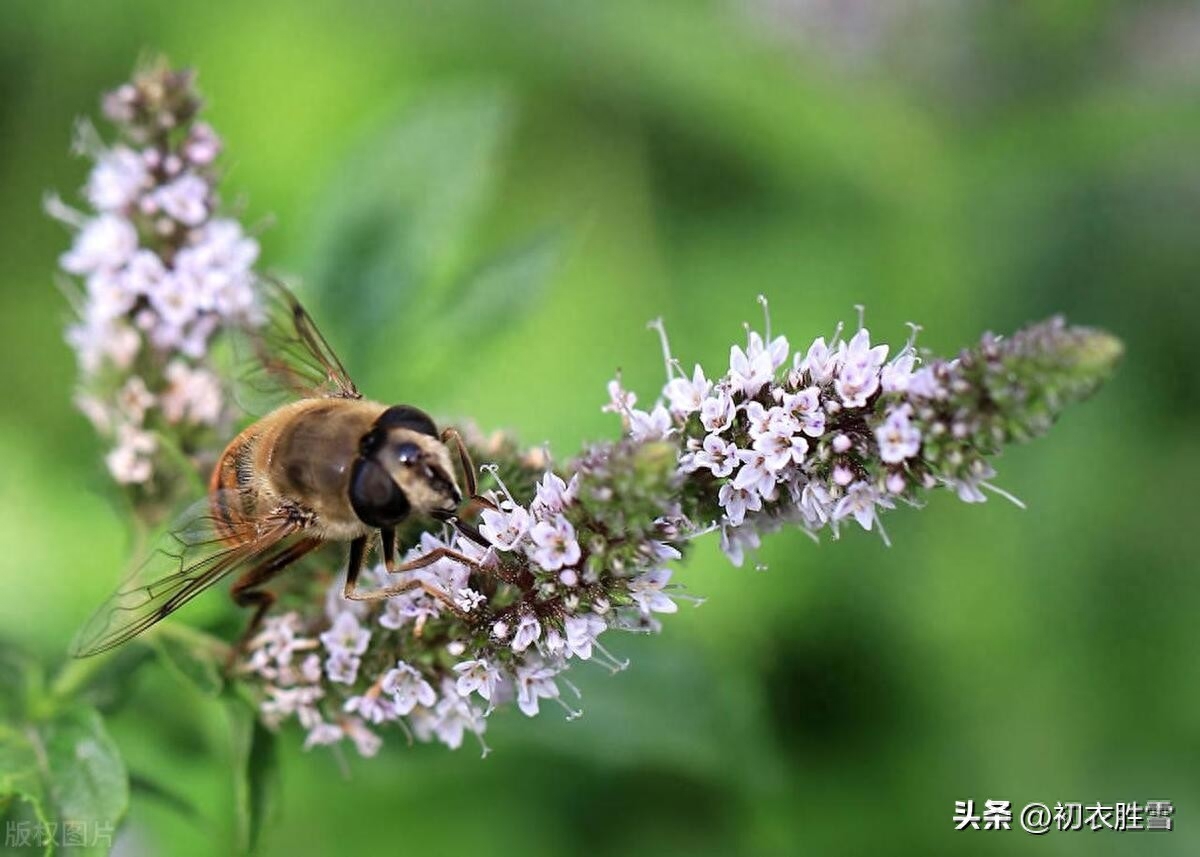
810 439
161 272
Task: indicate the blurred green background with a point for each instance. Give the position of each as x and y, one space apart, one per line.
964 165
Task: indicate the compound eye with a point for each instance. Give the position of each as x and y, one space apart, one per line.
407 453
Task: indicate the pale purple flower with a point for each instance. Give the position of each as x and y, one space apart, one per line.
185 199
117 179
529 629
505 527
372 707
202 145
323 734
687 396
755 474
346 635
655 425
718 455
581 633
193 395
776 349
553 495
341 667
896 375
735 541
747 374
821 363
129 462
477 676
737 502
554 544
717 411
408 688
534 681
366 742
861 501
897 437
103 244
620 400
647 593
781 450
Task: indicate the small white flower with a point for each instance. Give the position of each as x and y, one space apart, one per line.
554 543
897 437
505 527
647 592
781 450
534 681
620 400
896 375
686 397
467 599
134 399
193 395
346 635
117 179
861 501
655 425
777 349
821 363
342 667
755 474
529 629
718 455
408 688
323 734
737 502
717 411
185 199
749 374
372 707
553 495
103 244
581 633
202 145
130 463
477 676
735 541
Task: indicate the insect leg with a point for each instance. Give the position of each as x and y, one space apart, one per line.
245 591
451 435
387 538
353 593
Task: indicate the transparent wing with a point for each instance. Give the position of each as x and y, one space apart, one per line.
285 357
195 553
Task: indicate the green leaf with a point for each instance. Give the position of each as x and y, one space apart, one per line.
20 769
396 226
191 661
147 787
86 777
256 773
20 682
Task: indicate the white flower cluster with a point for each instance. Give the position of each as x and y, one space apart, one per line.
517 655
810 438
160 273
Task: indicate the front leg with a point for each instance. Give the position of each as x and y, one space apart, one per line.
387 539
353 593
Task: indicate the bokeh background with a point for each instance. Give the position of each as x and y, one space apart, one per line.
487 202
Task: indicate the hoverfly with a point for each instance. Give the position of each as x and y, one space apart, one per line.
327 466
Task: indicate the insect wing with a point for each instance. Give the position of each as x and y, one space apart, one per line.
284 357
198 551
